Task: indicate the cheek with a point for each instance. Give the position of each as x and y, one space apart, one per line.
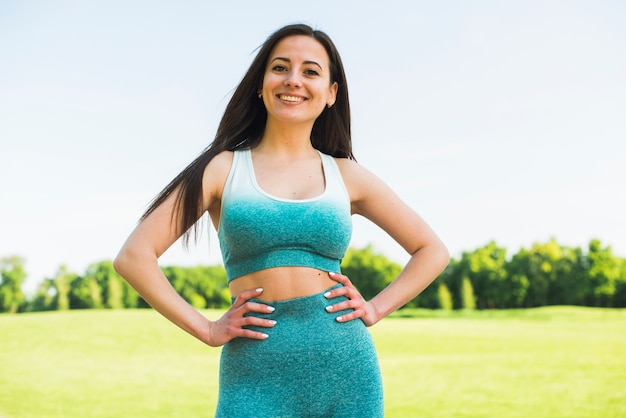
269 81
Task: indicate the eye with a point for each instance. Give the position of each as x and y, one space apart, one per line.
311 72
279 68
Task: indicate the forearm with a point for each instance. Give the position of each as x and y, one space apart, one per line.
421 270
142 272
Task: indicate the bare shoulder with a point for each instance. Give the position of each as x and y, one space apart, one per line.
358 180
221 163
347 166
215 175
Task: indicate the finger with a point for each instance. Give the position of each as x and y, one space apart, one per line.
240 328
345 305
350 316
348 291
254 321
248 333
257 307
338 277
246 295
335 293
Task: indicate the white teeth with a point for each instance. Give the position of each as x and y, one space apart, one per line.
293 99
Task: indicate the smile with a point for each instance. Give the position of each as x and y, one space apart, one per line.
292 99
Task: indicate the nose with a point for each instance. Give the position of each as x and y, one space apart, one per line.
293 79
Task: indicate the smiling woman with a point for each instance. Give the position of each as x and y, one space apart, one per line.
297 84
280 184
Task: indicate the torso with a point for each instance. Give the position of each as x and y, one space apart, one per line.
303 179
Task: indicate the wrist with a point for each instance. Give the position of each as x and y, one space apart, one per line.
374 315
205 333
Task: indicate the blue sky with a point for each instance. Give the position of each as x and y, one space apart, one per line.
495 120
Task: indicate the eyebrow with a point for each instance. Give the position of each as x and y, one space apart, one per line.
305 62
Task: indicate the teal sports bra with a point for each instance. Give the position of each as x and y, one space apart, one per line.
259 231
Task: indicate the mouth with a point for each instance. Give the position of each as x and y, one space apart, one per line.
290 99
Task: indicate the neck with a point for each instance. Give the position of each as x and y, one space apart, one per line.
287 138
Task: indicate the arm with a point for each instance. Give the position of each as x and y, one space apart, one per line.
137 263
374 200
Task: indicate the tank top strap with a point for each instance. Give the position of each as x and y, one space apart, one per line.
335 187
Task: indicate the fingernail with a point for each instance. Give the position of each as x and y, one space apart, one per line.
272 322
260 289
329 308
264 335
331 273
270 308
327 294
339 318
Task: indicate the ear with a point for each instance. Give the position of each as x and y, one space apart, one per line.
333 94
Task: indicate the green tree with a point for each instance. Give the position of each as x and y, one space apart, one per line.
538 268
568 283
217 293
468 299
45 298
115 292
429 298
370 272
63 284
12 276
84 293
619 299
187 283
485 268
201 286
132 298
452 277
604 271
444 297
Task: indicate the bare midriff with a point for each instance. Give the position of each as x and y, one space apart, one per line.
282 283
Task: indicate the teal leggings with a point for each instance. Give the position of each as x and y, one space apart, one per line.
310 366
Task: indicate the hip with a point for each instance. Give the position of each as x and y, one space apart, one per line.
303 324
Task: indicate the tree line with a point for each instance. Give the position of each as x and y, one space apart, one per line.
544 274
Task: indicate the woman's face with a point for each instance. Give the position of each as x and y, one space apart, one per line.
296 84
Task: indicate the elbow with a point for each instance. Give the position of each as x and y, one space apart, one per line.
119 262
435 254
439 255
442 254
122 262
445 256
131 260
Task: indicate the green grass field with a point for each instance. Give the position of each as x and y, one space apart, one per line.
548 362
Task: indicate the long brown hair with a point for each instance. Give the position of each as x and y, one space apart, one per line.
243 123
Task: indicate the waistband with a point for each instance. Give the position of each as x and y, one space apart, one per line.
301 324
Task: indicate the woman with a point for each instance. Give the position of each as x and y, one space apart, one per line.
280 184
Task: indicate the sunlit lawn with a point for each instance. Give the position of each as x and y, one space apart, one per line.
550 362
